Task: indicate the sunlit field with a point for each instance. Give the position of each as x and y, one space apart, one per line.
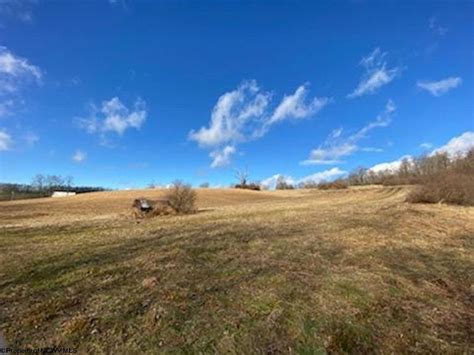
303 271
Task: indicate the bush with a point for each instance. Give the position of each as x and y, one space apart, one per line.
333 185
251 186
282 184
182 198
451 187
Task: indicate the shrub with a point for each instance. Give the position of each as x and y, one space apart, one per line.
182 197
451 187
282 184
251 186
333 185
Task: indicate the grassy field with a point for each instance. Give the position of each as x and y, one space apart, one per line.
304 272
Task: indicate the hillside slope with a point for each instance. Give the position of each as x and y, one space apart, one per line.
355 270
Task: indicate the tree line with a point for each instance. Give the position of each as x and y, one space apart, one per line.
43 186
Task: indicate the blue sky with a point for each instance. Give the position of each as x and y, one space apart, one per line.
122 93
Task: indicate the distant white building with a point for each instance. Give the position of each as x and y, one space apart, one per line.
62 194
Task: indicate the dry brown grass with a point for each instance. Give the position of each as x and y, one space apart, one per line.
304 271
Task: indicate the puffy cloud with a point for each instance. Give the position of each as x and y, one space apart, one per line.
376 74
458 145
244 114
271 182
338 146
316 178
114 116
79 156
222 157
392 166
235 116
5 141
438 88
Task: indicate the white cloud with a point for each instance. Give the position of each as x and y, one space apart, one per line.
438 88
79 156
318 177
5 141
426 145
295 107
330 154
376 74
338 146
244 114
234 117
15 73
392 166
14 69
458 145
323 175
114 116
271 182
222 157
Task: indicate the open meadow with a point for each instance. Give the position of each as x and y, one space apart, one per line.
299 271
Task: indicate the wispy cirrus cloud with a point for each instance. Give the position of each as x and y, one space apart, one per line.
245 114
79 156
15 74
5 141
436 28
222 157
296 106
18 9
112 116
15 70
377 74
438 88
338 145
426 145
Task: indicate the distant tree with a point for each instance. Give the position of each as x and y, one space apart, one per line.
68 182
38 182
282 184
204 185
242 176
358 176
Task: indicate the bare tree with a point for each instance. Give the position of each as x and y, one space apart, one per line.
38 182
242 175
